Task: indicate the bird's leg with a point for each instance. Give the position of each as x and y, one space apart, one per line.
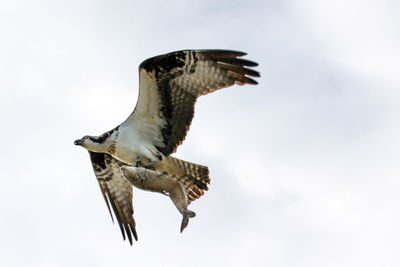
142 176
139 163
147 165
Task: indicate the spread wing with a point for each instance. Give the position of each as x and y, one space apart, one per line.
170 85
116 191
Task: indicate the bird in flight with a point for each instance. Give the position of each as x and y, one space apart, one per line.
169 86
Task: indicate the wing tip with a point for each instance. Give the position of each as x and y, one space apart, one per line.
253 82
128 230
126 224
241 79
222 53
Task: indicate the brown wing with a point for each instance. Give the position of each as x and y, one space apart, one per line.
116 191
170 85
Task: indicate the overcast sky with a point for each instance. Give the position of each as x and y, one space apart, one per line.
304 167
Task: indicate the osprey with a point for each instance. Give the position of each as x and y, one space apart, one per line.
169 86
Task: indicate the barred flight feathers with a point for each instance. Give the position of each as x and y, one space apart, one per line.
116 190
170 85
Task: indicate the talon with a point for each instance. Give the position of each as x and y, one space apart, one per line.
148 165
142 176
139 163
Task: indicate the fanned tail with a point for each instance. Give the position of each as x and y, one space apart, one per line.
193 176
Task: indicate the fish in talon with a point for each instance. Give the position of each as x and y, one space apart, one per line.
162 183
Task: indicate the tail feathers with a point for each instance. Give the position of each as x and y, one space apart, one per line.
195 178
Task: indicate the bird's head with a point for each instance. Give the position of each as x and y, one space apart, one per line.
92 143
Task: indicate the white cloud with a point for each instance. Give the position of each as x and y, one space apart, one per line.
357 35
101 98
255 176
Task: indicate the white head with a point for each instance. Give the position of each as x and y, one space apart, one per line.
92 143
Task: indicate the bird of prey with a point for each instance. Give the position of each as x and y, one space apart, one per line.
169 86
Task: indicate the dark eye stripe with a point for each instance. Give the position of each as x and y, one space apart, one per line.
95 140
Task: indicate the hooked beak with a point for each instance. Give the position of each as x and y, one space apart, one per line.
78 142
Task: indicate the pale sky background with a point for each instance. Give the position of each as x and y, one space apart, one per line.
304 166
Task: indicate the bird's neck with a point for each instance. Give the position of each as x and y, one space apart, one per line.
98 147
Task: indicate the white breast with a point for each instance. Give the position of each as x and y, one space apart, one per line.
131 146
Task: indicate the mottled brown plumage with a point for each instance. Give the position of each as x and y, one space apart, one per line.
116 190
180 78
169 86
